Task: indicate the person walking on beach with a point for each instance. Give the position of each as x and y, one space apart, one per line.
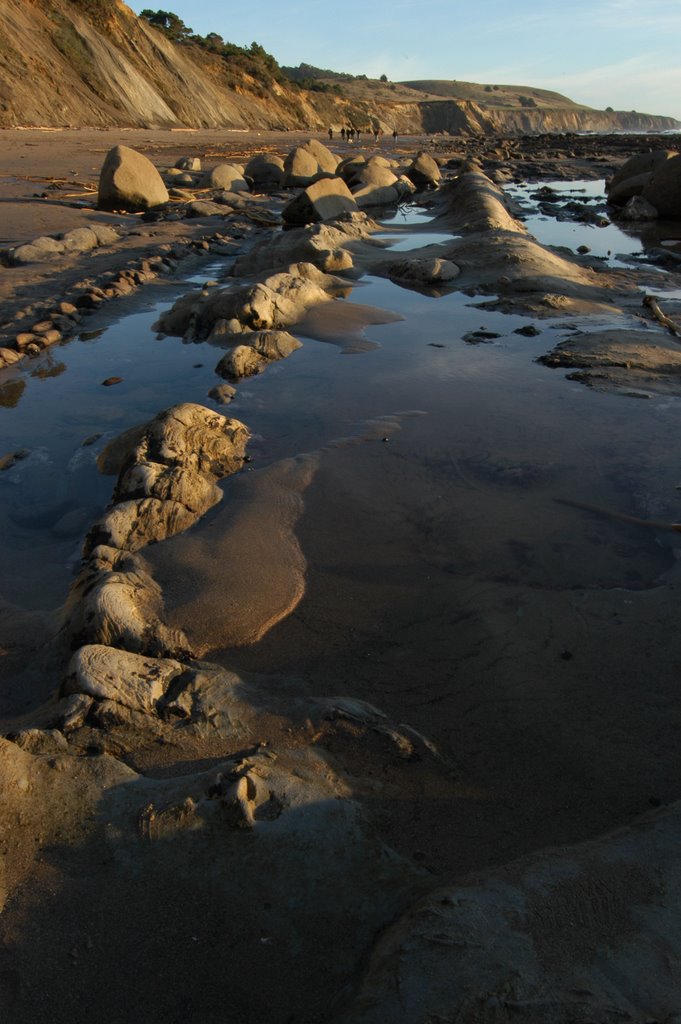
394 136
330 134
343 134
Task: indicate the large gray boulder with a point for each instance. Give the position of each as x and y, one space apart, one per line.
383 195
307 163
265 169
225 176
374 171
424 172
327 161
641 163
300 169
128 181
626 188
326 199
664 188
376 195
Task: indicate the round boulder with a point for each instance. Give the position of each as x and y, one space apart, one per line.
424 171
128 181
373 172
265 169
664 189
225 176
641 163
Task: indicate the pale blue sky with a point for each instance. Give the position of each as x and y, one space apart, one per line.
620 53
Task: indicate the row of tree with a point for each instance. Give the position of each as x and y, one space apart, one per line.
176 30
254 57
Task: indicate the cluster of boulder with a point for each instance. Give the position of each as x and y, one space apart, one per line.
331 186
47 248
250 320
648 186
63 318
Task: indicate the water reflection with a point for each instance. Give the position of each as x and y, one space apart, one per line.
477 475
11 391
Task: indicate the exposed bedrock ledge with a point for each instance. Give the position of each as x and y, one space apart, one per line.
168 472
583 934
275 303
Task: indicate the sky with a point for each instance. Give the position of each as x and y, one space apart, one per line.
624 54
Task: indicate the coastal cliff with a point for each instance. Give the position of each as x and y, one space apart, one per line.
96 63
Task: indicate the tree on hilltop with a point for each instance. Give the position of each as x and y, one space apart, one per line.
170 23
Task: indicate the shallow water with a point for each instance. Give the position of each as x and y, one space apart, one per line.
421 561
52 408
604 242
504 429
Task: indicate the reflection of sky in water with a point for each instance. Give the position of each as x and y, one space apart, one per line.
405 216
415 241
489 405
605 241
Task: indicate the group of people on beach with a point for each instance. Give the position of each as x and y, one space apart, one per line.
350 134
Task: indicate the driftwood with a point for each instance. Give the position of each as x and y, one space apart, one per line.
651 302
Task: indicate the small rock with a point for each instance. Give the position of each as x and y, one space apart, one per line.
529 331
222 393
188 163
8 356
111 380
478 337
8 460
51 337
42 327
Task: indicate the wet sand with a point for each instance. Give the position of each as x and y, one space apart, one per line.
419 564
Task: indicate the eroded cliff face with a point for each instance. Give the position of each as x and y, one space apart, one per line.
59 66
95 63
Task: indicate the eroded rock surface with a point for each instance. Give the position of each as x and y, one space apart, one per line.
587 933
166 482
276 303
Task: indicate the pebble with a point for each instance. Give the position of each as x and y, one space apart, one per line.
529 331
111 380
8 460
23 339
223 393
8 356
